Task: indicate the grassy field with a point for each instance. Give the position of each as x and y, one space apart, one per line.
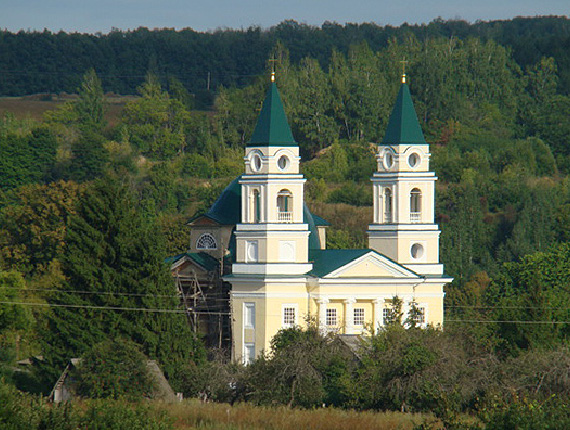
33 107
191 414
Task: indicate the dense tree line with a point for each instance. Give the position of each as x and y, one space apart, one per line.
42 61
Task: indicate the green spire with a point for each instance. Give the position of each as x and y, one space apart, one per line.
272 128
403 126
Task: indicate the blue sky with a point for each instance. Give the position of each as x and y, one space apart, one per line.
90 16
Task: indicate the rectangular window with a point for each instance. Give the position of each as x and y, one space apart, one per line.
248 353
385 315
289 319
421 316
331 317
358 316
249 315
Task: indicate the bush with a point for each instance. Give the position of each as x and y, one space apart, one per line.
115 369
351 194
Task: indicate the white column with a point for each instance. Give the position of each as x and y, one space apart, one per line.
323 301
378 307
349 315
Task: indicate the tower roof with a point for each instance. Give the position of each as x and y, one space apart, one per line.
403 126
272 128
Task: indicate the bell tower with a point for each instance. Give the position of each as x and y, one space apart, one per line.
272 238
403 227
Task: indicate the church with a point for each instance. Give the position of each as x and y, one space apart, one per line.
258 261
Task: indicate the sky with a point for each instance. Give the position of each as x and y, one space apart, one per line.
91 16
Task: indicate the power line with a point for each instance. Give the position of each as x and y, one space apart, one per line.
506 307
505 321
114 308
102 293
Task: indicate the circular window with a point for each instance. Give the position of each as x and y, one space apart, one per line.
255 163
388 159
283 162
417 250
413 160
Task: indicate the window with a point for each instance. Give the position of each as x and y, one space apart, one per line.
388 159
414 160
387 205
419 313
256 206
358 316
415 205
248 353
283 162
206 241
289 316
249 315
331 317
255 163
386 316
284 205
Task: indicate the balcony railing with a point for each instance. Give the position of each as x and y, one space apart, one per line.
284 216
415 217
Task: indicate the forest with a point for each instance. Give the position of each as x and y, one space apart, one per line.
91 206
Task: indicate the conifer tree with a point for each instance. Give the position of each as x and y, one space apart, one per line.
118 282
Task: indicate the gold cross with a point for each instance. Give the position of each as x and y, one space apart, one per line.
273 61
404 62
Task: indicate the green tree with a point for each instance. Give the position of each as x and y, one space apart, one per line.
156 122
115 369
90 106
117 284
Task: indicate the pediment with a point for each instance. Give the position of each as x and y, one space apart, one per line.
203 220
372 265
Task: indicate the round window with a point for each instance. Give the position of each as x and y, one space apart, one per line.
417 250
388 159
413 160
283 162
255 163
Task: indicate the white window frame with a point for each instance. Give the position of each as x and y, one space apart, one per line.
385 314
330 317
360 320
249 315
203 237
295 308
248 353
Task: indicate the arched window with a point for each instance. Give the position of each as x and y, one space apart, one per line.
206 241
387 205
285 206
415 205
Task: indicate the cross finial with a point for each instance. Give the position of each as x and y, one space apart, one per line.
404 62
273 61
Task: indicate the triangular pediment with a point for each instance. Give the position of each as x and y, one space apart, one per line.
203 220
372 265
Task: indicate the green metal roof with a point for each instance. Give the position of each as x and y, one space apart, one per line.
227 209
403 126
272 128
326 261
314 241
201 258
320 222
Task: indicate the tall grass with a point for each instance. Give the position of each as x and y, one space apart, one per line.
192 414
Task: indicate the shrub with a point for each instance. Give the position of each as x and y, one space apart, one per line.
115 369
